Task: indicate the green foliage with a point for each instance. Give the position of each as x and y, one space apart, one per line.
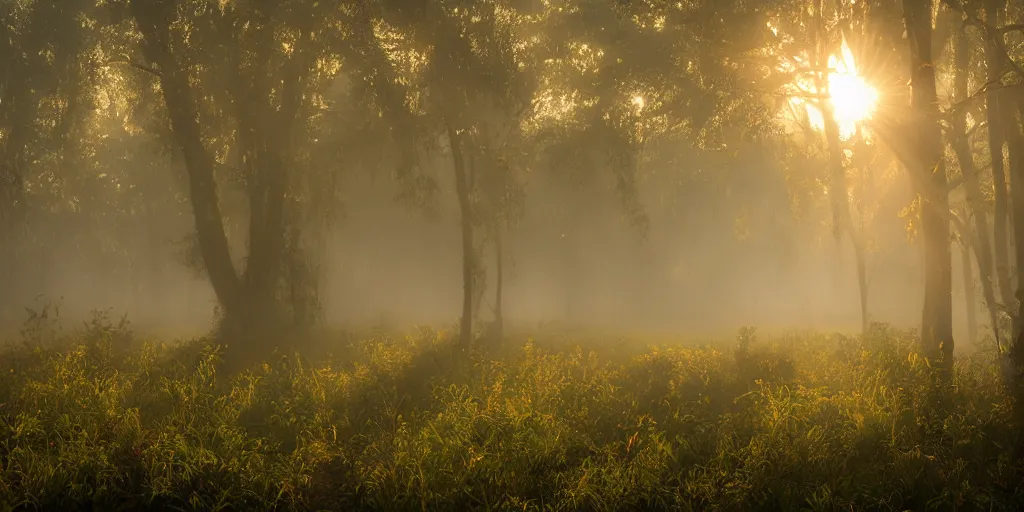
95 420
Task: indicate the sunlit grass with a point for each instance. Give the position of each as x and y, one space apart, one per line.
97 420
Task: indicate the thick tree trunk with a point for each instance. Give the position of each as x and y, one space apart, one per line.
937 316
250 301
466 221
269 155
267 186
153 18
972 187
996 140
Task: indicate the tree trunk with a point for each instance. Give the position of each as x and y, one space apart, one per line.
937 314
250 302
841 208
969 292
268 182
266 135
1015 139
573 269
993 97
499 260
466 220
862 279
839 191
1015 146
13 214
972 187
153 18
12 162
271 131
1014 369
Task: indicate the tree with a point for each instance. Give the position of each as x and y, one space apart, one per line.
937 317
977 238
262 133
243 85
474 87
818 74
46 70
502 202
996 142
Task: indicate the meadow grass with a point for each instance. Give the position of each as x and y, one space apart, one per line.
96 419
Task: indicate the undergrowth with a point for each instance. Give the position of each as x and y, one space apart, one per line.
95 419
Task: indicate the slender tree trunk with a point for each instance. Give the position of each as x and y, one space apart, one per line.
969 292
972 186
1014 369
839 192
937 315
1015 139
572 265
466 216
996 140
154 264
499 260
841 210
862 279
1016 151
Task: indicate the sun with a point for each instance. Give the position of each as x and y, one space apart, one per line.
852 98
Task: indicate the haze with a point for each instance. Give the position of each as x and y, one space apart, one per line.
580 263
638 204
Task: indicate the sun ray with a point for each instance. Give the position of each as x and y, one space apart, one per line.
852 98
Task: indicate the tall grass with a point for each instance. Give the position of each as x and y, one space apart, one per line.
95 419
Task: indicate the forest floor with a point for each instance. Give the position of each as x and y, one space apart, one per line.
97 419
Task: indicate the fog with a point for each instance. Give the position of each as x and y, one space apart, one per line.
581 262
677 190
724 248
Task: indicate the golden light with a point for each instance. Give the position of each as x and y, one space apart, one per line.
638 102
853 100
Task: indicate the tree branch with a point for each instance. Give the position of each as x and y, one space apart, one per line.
991 85
970 133
1016 27
993 35
128 62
